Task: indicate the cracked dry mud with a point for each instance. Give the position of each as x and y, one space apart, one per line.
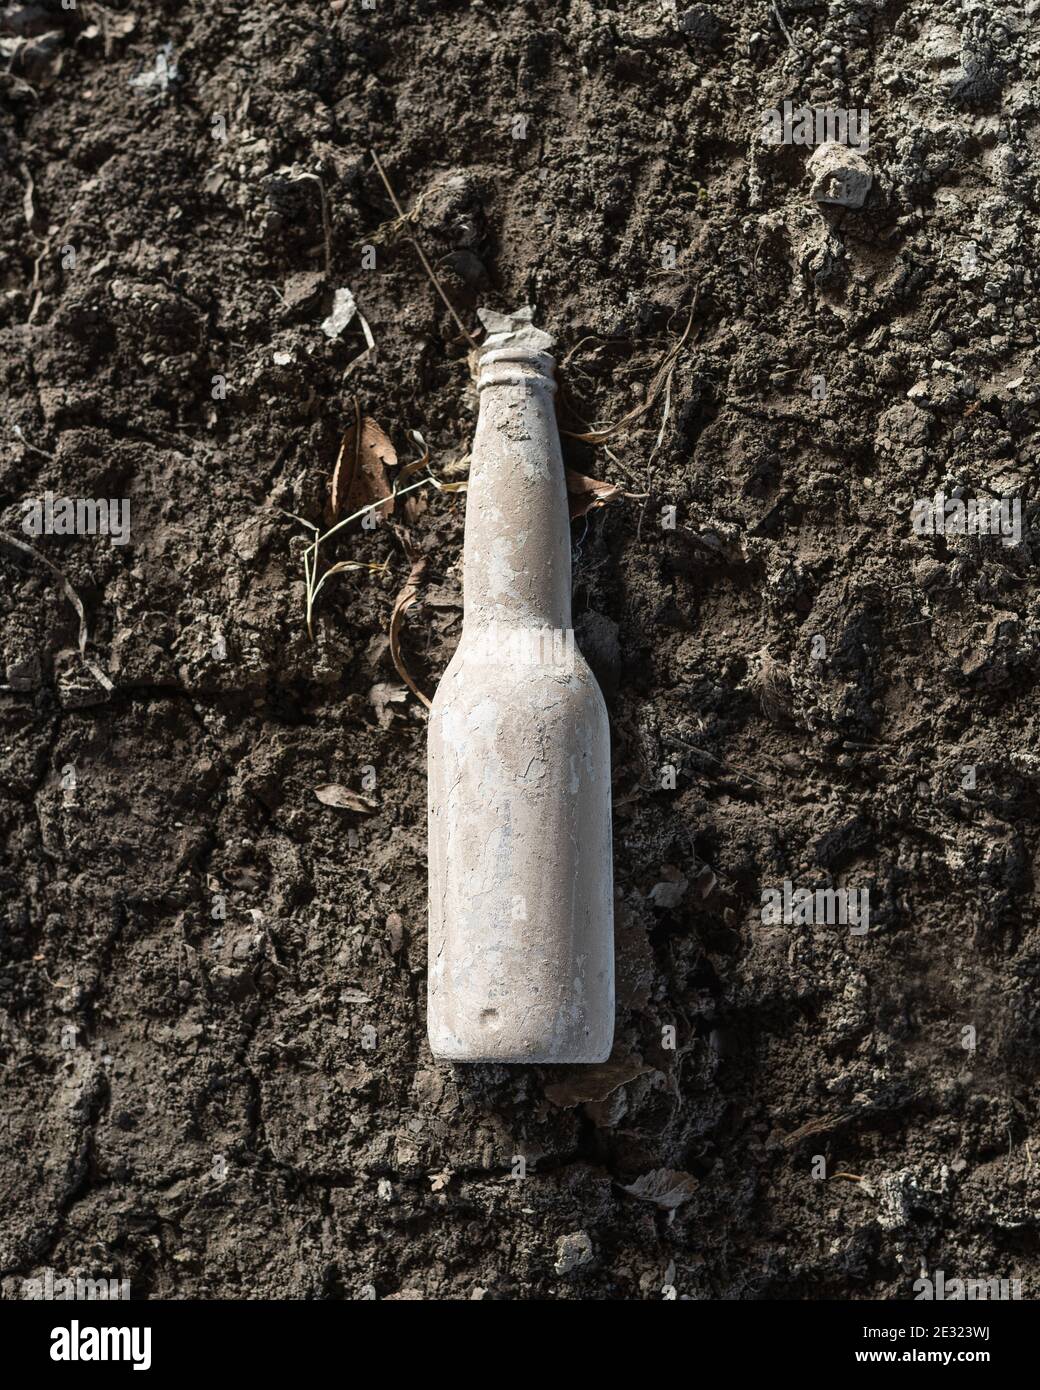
246 1105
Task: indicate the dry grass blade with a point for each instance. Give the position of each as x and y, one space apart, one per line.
301 519
403 602
342 566
73 598
447 487
326 226
412 468
416 464
29 198
370 347
383 451
315 583
363 511
412 506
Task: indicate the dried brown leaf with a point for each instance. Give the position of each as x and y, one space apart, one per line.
594 1083
333 794
585 493
342 566
667 1188
360 477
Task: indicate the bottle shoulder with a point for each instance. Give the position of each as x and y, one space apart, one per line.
554 674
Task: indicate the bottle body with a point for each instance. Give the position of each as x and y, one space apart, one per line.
521 952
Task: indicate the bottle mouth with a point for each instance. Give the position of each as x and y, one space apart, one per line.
517 366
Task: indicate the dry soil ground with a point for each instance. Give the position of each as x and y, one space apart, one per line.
216 1080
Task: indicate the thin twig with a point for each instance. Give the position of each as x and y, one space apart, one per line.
310 587
783 27
17 429
312 579
419 251
566 399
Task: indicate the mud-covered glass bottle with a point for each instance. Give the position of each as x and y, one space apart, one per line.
521 951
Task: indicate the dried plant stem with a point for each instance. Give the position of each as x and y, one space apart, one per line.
370 507
783 27
314 578
73 598
326 226
419 251
661 380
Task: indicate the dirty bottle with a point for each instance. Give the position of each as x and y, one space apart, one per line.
521 950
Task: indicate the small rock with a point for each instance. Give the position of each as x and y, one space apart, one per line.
572 1252
841 176
343 310
903 424
77 685
929 572
669 895
383 695
941 45
302 287
24 675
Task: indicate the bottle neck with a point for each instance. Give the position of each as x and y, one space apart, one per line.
518 547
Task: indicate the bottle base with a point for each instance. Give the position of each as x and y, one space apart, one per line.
572 1055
